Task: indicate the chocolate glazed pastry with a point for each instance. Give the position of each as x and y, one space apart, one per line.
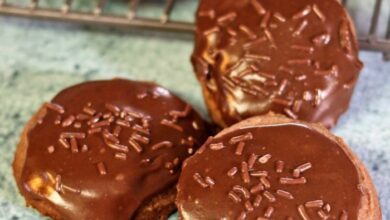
273 167
298 58
107 150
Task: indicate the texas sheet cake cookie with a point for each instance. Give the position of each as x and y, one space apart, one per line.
107 150
272 167
298 58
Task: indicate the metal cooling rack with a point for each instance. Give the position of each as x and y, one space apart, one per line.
98 16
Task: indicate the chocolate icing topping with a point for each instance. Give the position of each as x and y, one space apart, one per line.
298 58
102 149
279 171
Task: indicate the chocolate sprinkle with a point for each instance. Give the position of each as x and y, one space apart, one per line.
302 168
290 114
314 204
259 173
94 130
89 111
209 13
55 107
141 129
227 17
78 135
305 11
209 181
73 145
247 31
258 7
122 123
265 182
77 125
245 172
322 214
240 148
119 147
268 213
180 114
265 20
252 160
240 138
279 166
172 125
242 190
140 138
58 184
284 194
68 121
64 143
117 130
279 16
110 137
265 158
248 206
162 144
135 146
114 109
101 168
269 196
291 181
257 200
198 178
232 171
100 124
302 212
217 146
318 12
233 196
257 188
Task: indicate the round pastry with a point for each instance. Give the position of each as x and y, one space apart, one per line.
273 167
298 58
107 150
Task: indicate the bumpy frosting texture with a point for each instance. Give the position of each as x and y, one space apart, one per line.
298 58
103 148
282 171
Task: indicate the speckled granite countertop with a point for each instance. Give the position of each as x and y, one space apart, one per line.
38 59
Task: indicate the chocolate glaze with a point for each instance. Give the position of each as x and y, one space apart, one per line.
298 58
91 180
326 180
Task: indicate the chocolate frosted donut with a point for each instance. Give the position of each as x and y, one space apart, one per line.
107 150
298 58
272 167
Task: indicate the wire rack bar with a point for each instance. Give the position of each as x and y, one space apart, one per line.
95 19
98 17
